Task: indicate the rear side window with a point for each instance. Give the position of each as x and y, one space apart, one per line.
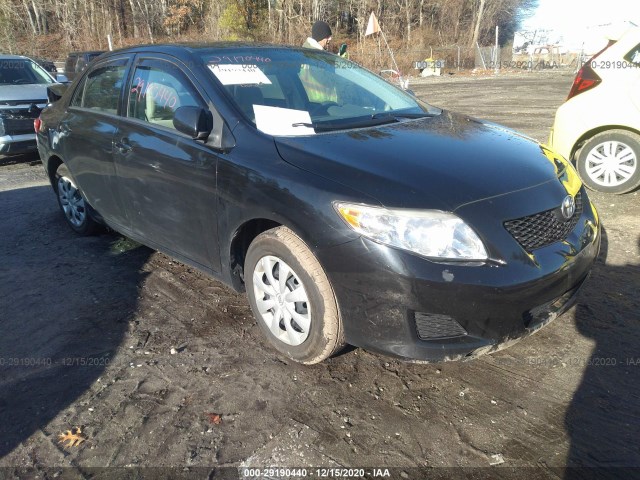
157 90
634 56
100 89
76 101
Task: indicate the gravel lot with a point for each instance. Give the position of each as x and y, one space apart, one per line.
87 327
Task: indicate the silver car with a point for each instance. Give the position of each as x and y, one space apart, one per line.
23 94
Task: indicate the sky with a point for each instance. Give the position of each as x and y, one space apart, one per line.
572 18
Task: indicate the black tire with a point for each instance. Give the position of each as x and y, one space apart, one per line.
596 144
79 216
324 336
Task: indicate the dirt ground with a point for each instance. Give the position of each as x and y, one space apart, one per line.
87 328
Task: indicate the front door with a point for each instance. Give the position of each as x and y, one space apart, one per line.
167 180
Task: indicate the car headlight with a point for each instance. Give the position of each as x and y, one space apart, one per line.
430 233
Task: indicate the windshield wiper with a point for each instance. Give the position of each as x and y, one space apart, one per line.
404 115
368 122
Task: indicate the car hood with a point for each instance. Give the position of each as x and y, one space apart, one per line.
16 94
440 162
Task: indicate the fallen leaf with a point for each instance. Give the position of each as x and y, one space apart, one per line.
74 437
214 418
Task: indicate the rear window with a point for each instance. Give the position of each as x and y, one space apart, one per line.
634 55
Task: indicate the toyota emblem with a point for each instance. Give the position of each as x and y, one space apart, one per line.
568 207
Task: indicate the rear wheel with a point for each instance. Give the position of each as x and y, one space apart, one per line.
76 211
291 297
609 162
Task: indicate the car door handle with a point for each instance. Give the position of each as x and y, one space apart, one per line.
65 128
123 146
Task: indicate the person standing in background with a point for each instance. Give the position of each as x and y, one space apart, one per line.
320 36
317 85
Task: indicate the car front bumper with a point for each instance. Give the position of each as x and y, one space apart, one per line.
400 304
568 127
14 144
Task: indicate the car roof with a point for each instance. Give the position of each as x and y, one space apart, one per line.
193 47
86 52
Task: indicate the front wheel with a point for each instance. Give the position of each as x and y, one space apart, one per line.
292 298
76 211
608 162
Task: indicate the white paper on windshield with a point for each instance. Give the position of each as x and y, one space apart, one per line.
235 74
280 121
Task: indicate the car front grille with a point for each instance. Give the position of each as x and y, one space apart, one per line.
544 228
17 125
430 326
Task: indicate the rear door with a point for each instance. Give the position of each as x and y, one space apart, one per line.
87 131
167 179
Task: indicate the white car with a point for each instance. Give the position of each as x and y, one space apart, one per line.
23 94
598 127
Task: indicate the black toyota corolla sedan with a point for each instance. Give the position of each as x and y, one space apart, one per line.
350 211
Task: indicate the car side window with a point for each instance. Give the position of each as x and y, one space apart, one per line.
157 90
633 56
100 89
76 100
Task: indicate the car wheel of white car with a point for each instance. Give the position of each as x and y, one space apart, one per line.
76 210
610 162
291 297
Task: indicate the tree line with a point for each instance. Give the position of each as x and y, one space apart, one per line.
58 26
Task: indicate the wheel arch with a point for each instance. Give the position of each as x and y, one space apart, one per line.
53 163
575 151
240 241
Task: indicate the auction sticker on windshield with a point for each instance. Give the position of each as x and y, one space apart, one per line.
236 74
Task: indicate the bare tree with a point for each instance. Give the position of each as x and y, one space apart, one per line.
406 23
478 22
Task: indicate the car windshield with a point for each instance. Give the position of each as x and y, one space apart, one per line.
22 72
302 92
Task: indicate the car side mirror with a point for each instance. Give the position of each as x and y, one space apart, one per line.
195 122
60 78
55 91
